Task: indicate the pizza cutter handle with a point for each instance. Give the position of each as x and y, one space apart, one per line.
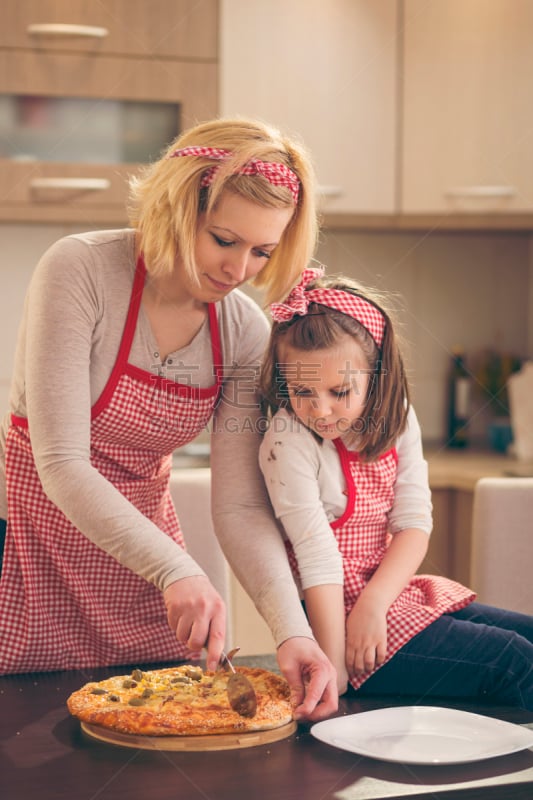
225 659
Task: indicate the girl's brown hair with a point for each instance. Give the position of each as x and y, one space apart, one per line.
167 199
322 327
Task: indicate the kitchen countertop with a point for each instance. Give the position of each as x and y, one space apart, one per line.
461 469
45 755
448 469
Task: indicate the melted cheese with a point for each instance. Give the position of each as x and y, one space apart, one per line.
181 684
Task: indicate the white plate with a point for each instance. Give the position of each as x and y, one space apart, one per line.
423 735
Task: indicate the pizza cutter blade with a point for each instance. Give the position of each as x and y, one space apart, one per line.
241 693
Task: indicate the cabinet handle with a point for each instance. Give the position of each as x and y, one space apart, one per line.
329 191
482 191
87 184
61 29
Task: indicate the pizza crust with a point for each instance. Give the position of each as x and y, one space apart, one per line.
180 701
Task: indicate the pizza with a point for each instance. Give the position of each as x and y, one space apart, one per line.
180 701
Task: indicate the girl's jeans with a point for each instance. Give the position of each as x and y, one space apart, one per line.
478 652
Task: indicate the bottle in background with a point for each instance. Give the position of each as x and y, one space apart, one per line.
460 385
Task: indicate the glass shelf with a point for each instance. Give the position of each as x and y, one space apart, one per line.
81 130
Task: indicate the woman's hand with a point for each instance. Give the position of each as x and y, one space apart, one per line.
311 677
366 637
197 615
342 681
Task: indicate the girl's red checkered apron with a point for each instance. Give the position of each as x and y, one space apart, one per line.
66 603
362 537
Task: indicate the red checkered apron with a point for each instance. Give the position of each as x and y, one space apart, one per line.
362 537
64 602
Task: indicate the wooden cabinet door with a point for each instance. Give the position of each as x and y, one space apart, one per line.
162 28
192 84
451 540
128 56
462 537
438 560
327 72
94 195
467 106
47 187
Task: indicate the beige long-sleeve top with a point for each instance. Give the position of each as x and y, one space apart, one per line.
72 324
307 486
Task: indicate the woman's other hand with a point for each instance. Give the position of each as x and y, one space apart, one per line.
342 681
197 615
311 677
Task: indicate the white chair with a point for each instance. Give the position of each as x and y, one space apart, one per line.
502 543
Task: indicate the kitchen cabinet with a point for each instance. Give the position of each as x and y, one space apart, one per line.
452 478
327 72
467 138
449 552
90 91
439 558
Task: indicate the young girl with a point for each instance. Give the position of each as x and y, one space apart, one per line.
343 464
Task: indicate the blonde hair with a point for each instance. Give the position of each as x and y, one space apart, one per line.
167 199
322 327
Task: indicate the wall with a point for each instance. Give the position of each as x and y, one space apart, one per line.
468 289
21 247
471 289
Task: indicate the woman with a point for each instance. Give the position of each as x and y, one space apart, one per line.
131 342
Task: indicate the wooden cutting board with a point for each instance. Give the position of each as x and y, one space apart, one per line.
220 741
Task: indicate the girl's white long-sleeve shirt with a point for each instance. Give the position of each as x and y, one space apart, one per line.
306 485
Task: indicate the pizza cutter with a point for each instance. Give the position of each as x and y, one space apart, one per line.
241 693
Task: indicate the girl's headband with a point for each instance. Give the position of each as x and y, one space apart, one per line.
277 174
297 304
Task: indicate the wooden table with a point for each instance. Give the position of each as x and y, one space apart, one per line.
45 756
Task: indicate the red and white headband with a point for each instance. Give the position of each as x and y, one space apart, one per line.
297 304
277 174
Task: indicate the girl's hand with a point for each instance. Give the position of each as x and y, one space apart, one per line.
366 638
366 625
197 615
